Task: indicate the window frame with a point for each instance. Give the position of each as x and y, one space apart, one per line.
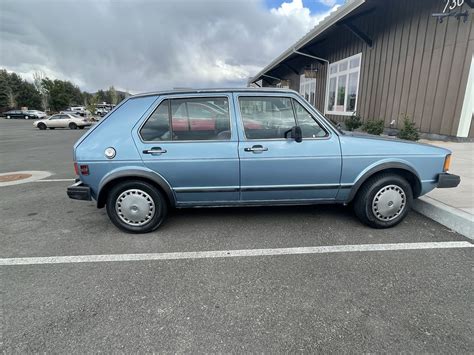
292 99
336 75
304 83
169 98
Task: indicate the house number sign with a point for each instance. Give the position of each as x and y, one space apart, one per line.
452 4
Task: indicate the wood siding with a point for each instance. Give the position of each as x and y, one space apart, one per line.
416 66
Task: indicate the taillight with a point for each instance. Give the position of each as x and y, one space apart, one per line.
84 169
447 162
76 168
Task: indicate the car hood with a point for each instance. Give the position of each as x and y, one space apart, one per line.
367 144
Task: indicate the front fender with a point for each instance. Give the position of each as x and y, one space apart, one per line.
381 165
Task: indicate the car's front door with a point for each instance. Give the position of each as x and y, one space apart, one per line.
192 143
278 169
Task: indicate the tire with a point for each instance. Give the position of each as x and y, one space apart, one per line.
27 117
42 126
383 201
72 125
8 117
127 199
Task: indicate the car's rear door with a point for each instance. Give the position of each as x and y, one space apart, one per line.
191 141
278 169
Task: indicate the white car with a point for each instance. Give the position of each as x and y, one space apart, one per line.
37 114
63 120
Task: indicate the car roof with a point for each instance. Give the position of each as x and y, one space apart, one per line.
218 90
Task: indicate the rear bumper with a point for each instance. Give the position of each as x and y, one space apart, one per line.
79 191
446 180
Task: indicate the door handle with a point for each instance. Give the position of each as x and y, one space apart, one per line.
256 149
155 150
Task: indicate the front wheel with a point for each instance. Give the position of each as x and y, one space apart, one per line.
72 125
136 206
41 126
383 201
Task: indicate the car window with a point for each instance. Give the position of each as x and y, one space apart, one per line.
192 119
309 126
54 117
266 117
157 127
199 119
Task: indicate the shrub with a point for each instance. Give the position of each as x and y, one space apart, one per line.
353 123
409 130
373 127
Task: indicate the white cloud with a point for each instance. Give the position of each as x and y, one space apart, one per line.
329 3
148 45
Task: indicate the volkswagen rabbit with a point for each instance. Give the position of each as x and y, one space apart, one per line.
245 147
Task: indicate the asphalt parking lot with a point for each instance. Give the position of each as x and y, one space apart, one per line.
350 301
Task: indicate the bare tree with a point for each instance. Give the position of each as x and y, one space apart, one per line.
11 98
38 81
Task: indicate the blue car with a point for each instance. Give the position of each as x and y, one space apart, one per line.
244 147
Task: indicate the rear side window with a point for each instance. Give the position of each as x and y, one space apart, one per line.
193 119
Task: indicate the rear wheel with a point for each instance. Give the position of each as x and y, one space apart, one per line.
136 206
383 201
27 117
41 126
72 125
8 117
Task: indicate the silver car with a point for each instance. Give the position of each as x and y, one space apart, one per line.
63 120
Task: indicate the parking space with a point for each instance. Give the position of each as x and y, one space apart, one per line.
358 301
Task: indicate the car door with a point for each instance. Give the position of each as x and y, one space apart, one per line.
54 121
192 143
274 168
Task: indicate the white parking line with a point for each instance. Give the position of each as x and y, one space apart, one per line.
54 180
231 253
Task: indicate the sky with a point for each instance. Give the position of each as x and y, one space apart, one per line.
146 45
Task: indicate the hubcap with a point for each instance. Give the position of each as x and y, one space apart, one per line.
135 207
389 202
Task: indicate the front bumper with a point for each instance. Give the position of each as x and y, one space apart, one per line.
79 191
446 180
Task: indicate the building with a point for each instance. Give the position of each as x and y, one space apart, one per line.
384 59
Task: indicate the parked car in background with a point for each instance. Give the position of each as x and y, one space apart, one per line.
77 110
63 120
245 147
37 113
103 109
25 114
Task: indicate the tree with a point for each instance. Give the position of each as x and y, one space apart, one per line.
38 82
112 96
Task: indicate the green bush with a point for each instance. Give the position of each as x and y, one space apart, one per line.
373 127
353 123
409 130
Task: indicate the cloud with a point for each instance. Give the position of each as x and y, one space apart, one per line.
148 45
329 3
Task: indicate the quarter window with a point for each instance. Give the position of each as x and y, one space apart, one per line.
189 120
343 83
309 127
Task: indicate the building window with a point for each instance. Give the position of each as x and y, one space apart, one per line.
343 85
308 88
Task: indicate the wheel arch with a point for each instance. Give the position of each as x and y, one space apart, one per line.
148 176
397 168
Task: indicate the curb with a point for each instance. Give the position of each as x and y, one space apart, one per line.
453 218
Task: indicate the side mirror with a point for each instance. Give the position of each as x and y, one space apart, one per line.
296 134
